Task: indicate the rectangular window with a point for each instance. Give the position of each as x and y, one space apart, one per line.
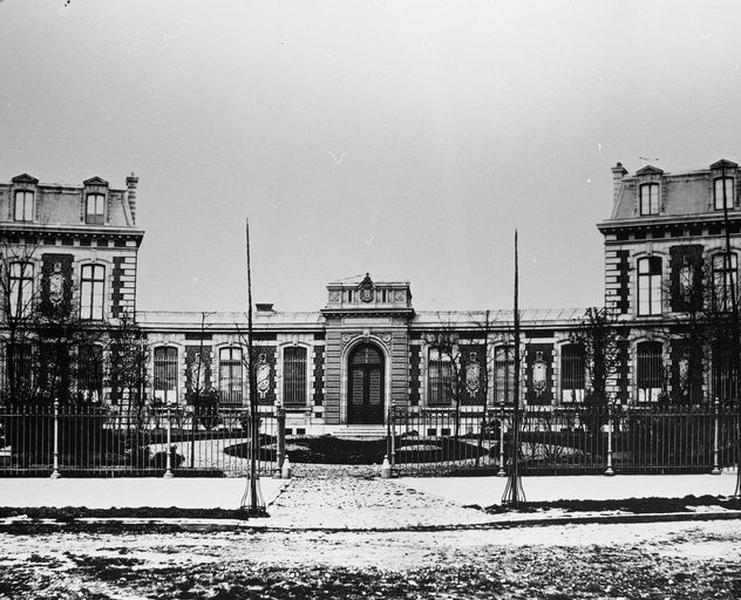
21 289
18 368
723 381
723 189
230 375
294 376
92 284
166 375
649 198
649 286
572 373
439 378
95 209
23 206
504 375
724 281
649 371
90 372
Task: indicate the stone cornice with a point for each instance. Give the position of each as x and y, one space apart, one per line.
667 220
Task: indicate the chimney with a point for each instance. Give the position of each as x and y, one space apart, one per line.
618 172
131 183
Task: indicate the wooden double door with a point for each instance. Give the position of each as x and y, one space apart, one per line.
365 385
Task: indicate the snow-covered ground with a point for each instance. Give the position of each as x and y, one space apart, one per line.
333 499
486 491
131 492
681 561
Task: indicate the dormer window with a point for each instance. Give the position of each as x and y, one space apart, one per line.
95 209
649 198
23 208
723 192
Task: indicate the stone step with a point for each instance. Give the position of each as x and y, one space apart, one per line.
361 432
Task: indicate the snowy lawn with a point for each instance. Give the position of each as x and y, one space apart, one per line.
486 491
131 493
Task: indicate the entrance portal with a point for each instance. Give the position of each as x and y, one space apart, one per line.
365 385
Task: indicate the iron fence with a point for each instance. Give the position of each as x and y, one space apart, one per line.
96 440
565 440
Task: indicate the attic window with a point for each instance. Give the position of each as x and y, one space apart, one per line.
23 206
723 189
648 194
95 209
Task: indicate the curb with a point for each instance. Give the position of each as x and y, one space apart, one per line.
120 525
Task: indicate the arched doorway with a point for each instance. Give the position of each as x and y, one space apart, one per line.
365 385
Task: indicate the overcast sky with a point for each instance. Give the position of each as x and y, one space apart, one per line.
407 139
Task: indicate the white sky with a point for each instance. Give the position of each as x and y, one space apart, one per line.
403 138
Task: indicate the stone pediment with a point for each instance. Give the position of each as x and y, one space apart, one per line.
95 181
24 178
723 164
649 170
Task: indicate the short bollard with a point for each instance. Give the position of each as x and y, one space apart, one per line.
609 471
168 450
285 472
386 468
55 470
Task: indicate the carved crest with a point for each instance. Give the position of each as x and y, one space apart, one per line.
539 374
473 374
56 285
365 289
263 376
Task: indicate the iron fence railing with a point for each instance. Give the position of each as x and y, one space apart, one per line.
576 439
127 441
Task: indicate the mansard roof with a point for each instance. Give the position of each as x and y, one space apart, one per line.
685 194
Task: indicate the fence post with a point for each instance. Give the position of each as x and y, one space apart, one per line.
501 472
280 449
609 470
716 468
55 470
168 453
392 422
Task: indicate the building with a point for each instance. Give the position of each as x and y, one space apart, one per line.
69 262
369 349
671 281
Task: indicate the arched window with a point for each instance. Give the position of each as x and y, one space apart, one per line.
723 191
230 375
23 206
649 198
649 371
649 286
573 372
92 284
21 288
294 376
439 378
166 374
504 375
95 209
724 280
90 372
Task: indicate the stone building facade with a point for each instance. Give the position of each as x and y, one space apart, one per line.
369 349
